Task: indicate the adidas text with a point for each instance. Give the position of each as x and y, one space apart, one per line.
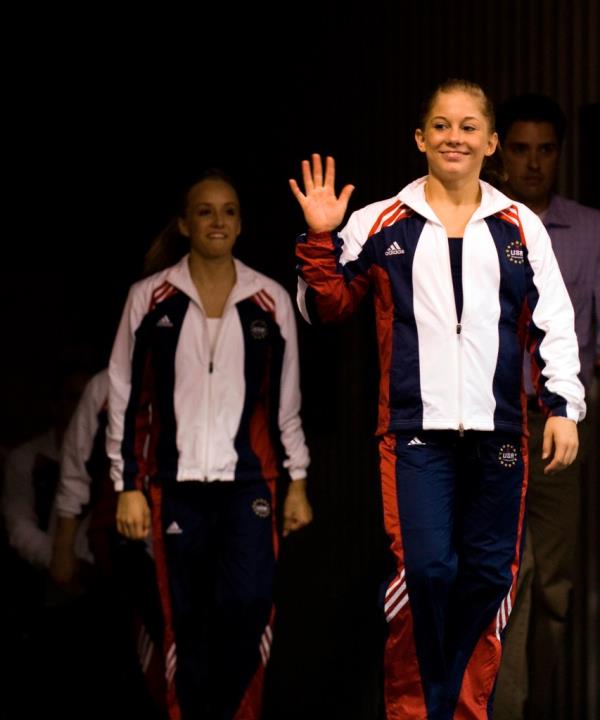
394 249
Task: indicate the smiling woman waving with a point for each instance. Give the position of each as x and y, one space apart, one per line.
463 277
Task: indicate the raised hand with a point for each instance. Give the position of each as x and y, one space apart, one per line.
323 211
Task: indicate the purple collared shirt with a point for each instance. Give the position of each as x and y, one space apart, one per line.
575 233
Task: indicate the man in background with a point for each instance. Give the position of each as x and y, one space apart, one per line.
531 683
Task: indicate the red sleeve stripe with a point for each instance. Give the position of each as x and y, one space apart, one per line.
380 222
162 289
402 212
268 299
162 292
507 217
511 215
264 301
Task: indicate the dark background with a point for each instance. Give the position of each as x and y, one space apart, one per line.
108 113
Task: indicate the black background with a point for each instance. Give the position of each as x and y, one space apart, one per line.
108 114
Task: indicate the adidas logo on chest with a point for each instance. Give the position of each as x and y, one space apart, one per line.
394 249
164 322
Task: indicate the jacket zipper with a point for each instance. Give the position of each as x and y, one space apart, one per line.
459 338
458 329
461 427
211 368
206 423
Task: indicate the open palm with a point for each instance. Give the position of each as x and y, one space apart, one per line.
323 211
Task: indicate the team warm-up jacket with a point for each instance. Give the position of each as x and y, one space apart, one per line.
176 410
438 372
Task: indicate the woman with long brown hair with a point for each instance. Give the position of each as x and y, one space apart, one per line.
204 407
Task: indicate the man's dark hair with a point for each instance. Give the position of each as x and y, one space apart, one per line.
531 107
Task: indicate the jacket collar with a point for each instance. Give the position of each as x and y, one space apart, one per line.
492 200
247 281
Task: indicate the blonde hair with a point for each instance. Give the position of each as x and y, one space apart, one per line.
468 86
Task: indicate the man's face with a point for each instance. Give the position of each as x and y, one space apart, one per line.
531 153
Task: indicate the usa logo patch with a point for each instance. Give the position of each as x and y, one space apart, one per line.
259 329
514 252
508 455
261 508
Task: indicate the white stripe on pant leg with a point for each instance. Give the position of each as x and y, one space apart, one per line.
171 663
394 597
263 655
394 584
147 658
397 609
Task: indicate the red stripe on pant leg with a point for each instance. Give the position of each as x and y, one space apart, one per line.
517 559
479 677
484 664
162 578
250 707
272 485
262 447
259 437
403 690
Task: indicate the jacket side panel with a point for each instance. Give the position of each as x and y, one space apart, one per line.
149 441
393 250
515 277
257 442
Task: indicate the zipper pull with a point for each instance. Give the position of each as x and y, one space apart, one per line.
210 367
458 329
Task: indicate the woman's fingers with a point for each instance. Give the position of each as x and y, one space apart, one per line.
136 530
317 170
298 194
323 211
312 176
329 172
347 190
307 177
